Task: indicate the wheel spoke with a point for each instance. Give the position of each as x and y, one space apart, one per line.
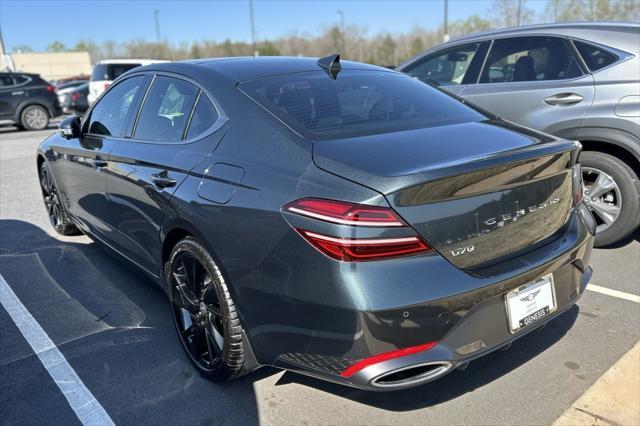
184 297
218 338
607 212
603 184
212 350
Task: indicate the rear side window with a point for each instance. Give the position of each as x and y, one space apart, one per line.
6 80
530 59
357 103
166 110
110 116
110 71
446 68
594 56
20 79
203 118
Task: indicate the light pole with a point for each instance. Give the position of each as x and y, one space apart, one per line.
343 38
253 30
155 17
446 21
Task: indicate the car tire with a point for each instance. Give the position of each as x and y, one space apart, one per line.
203 311
56 210
625 193
34 117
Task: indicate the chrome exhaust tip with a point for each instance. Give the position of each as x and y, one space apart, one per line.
412 375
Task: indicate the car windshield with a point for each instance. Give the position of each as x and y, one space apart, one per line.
357 103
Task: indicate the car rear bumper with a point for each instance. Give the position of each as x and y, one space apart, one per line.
324 340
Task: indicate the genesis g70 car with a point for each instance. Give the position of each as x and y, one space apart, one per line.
332 218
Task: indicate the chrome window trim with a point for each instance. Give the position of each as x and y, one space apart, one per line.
621 54
220 121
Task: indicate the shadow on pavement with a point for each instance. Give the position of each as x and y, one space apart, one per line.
635 236
114 328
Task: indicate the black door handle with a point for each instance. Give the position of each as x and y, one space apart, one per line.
98 162
163 180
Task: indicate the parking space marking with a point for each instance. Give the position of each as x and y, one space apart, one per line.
81 400
614 293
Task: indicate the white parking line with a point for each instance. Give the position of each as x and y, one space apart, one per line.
81 400
614 293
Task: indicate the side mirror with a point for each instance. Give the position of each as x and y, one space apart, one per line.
70 127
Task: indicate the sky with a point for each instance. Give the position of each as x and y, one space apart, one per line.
38 23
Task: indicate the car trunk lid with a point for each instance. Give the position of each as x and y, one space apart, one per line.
478 192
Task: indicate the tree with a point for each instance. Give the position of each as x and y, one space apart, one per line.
510 13
22 48
56 46
592 10
472 24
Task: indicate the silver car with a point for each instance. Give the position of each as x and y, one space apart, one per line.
578 81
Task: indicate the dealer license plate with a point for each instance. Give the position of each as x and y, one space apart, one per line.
530 303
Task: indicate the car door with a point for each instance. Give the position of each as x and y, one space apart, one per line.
86 159
7 99
146 170
536 81
451 68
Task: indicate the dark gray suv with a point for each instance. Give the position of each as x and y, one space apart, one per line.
578 81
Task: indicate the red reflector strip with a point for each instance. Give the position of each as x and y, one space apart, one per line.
360 365
348 250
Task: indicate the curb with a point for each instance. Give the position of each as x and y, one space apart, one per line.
614 399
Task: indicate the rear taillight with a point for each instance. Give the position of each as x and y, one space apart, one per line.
354 250
357 215
344 213
50 88
75 96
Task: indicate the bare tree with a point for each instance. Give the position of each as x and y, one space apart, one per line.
510 13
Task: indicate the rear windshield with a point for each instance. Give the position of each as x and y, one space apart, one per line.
110 71
357 103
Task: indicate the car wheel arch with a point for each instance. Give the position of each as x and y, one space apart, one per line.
617 150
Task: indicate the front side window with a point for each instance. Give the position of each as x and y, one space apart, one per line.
166 110
445 68
357 103
110 115
594 56
530 59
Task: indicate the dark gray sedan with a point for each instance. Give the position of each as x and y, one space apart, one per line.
337 219
578 81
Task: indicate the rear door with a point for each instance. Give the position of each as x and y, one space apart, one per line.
452 68
86 159
145 171
535 81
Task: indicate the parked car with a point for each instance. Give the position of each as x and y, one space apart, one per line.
104 72
75 101
63 88
26 100
337 219
575 80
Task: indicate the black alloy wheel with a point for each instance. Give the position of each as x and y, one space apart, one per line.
56 210
203 312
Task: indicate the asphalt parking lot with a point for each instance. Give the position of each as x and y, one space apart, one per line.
115 331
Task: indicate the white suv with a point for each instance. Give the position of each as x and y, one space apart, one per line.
104 72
